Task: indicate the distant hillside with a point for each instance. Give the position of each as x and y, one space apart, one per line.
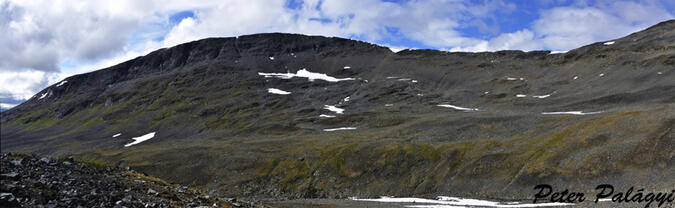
288 115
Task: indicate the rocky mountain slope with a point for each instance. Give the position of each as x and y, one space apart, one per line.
31 182
285 115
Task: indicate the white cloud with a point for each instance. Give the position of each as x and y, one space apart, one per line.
520 40
565 28
22 85
433 23
37 35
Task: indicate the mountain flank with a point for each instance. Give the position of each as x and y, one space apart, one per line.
294 116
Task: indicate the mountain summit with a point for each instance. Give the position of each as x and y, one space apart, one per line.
287 115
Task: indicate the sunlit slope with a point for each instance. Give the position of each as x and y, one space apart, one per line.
309 116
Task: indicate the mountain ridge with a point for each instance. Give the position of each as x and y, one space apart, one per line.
415 122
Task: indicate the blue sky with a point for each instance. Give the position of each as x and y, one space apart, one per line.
47 41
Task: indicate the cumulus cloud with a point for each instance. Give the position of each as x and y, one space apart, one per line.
46 41
37 35
564 28
21 85
434 23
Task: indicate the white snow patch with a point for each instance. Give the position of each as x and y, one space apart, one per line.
272 58
116 135
388 105
575 78
609 43
603 74
141 139
326 116
659 73
514 79
278 91
403 79
486 92
457 107
557 52
61 83
334 109
341 128
346 99
571 113
542 96
451 202
43 95
347 67
521 95
396 50
306 74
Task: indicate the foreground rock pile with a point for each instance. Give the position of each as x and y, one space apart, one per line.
31 182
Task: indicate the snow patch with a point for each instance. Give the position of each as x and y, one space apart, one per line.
326 116
659 73
521 95
116 135
396 50
44 95
341 128
305 74
61 83
609 43
141 139
575 78
603 74
451 202
542 96
388 105
514 79
457 107
272 58
334 109
557 52
347 67
571 113
278 91
346 99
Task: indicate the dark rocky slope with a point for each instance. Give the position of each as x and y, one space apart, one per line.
31 182
218 127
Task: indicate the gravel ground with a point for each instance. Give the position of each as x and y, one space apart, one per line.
31 182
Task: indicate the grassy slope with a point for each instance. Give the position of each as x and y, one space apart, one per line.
217 127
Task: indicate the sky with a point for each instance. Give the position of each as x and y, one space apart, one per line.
44 41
